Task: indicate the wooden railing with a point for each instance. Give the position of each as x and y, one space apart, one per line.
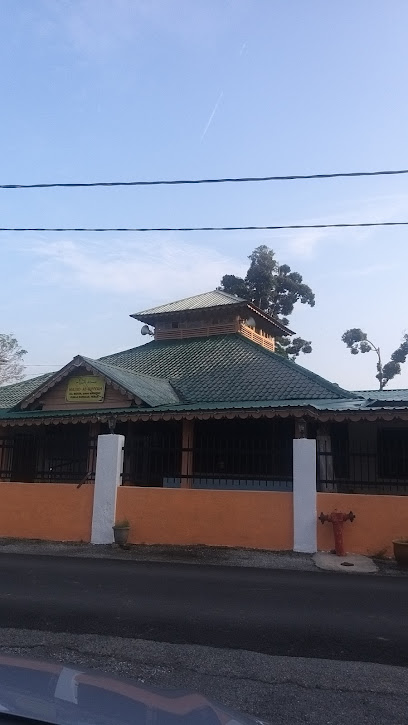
228 328
249 332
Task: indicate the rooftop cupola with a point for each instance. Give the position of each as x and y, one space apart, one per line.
212 313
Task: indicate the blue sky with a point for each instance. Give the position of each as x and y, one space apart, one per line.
143 89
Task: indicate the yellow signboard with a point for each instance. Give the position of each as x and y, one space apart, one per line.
85 389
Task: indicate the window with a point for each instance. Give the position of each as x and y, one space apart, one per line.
248 449
393 453
341 450
152 452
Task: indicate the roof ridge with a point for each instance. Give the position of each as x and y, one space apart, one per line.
228 294
289 363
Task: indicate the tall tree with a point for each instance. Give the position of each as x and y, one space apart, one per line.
275 289
357 341
11 359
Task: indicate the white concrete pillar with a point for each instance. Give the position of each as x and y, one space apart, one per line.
109 467
304 495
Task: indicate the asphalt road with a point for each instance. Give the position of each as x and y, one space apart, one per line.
275 612
278 690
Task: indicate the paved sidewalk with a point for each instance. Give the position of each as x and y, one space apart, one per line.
208 555
349 563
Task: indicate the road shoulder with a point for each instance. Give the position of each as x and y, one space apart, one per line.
197 554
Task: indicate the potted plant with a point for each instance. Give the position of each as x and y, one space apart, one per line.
401 551
121 532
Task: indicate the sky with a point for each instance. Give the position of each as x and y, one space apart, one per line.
120 90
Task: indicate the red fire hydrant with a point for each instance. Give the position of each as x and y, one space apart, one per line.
337 519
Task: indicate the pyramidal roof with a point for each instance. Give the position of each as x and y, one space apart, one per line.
226 368
215 298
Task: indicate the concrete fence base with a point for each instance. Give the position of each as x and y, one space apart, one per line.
251 519
47 511
254 519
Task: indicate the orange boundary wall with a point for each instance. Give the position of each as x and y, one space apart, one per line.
49 511
253 519
379 520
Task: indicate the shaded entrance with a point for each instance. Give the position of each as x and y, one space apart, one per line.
249 454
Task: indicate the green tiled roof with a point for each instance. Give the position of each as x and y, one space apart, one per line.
215 298
12 394
225 368
152 390
399 395
211 373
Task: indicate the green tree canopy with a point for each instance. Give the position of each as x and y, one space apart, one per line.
275 289
357 341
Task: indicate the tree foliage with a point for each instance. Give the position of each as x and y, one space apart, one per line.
275 289
357 341
11 359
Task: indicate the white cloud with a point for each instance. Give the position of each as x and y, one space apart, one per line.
151 268
370 270
305 242
99 26
95 27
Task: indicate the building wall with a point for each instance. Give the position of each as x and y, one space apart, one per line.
379 520
47 511
54 399
256 520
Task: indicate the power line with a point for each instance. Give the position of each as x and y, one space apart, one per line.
202 229
174 182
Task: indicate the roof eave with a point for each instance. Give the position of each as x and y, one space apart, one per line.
150 318
270 319
255 409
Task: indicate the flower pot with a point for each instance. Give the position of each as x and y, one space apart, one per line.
120 534
401 552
